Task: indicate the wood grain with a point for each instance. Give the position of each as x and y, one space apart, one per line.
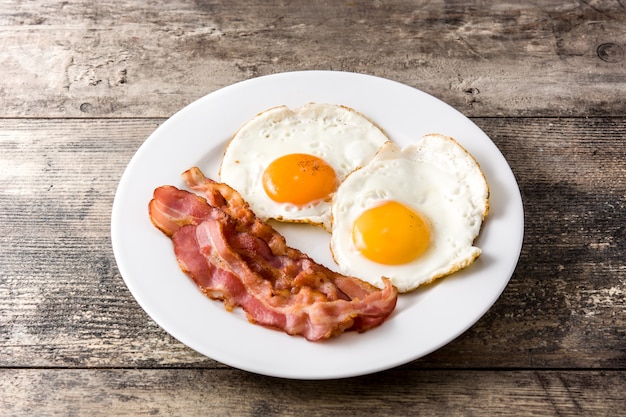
235 393
64 304
83 84
134 59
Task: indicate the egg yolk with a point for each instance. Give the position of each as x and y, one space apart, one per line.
299 179
391 234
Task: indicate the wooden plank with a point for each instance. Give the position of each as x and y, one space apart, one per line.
52 392
116 59
64 304
62 298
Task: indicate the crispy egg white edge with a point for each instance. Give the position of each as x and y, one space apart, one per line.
241 168
341 243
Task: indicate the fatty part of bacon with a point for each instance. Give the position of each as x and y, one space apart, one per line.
235 257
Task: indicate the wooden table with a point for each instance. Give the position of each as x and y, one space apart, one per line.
83 85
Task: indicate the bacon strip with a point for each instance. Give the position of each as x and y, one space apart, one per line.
235 257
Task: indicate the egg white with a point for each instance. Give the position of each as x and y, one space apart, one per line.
339 135
435 177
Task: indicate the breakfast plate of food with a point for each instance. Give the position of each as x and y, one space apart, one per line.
317 224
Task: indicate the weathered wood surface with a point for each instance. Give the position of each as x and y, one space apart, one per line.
64 303
84 83
125 59
184 392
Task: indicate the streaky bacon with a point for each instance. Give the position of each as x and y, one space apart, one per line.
235 257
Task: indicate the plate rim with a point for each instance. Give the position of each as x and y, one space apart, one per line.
299 76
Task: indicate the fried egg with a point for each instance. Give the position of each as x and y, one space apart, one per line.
411 215
288 163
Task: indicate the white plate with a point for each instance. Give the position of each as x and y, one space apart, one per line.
423 320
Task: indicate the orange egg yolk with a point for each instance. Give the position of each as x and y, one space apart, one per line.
391 234
299 179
